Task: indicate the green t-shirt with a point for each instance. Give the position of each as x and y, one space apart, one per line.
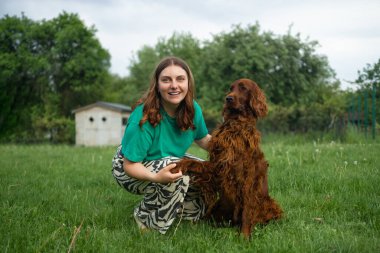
148 143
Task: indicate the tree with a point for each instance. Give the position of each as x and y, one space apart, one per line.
285 67
47 68
120 90
141 69
369 75
79 65
367 79
22 73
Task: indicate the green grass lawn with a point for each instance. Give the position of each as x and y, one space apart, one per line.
63 198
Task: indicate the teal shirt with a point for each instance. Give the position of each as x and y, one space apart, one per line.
148 143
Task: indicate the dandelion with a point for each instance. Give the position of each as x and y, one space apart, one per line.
287 156
341 151
316 154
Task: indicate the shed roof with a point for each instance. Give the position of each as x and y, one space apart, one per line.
106 105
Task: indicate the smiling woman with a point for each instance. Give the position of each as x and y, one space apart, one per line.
163 125
172 86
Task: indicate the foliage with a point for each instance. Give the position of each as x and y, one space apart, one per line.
369 82
329 192
285 67
369 75
22 72
78 62
120 90
314 117
48 68
54 130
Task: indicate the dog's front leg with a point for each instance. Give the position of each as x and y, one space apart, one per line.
264 187
246 225
247 209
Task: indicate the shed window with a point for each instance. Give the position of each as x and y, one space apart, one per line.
124 121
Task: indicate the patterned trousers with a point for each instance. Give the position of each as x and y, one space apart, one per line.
162 203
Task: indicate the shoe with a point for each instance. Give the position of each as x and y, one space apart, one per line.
141 226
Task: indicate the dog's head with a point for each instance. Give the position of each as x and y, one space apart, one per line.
245 98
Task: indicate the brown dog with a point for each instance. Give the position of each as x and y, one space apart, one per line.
234 180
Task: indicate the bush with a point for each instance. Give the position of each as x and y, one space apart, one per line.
56 130
300 119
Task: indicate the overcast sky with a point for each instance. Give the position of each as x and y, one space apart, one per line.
348 31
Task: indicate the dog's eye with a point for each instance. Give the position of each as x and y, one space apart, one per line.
242 87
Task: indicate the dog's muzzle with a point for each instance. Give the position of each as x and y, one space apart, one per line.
229 99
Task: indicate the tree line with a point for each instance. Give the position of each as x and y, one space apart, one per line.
50 67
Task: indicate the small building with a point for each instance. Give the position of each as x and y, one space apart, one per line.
100 124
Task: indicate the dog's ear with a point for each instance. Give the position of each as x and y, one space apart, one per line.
258 101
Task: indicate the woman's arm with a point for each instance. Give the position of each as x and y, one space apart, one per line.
203 143
138 171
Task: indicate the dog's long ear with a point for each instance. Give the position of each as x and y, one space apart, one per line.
258 102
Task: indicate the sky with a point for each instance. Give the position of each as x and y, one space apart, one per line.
348 31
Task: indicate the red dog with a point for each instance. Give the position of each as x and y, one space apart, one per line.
234 180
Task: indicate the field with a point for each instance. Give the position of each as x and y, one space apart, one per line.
64 199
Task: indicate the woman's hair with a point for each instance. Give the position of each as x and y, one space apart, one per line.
152 98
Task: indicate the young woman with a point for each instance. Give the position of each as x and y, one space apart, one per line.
163 125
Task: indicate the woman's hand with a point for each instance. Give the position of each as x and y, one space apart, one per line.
165 176
138 171
203 143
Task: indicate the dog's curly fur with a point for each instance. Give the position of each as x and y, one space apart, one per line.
234 180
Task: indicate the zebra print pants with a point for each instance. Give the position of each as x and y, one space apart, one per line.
162 203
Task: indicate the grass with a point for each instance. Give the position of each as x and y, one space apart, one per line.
63 198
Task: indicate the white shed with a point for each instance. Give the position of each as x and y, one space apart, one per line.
100 124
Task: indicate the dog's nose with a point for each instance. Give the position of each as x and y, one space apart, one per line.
229 99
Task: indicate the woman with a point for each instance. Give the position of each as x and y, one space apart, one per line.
163 125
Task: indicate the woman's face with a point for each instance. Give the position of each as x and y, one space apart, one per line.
173 84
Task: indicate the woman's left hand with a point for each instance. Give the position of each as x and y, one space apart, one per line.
203 143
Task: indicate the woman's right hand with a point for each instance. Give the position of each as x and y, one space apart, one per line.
165 175
138 171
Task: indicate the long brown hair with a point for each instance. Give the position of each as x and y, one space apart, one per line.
152 98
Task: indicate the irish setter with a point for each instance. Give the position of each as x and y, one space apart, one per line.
234 180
